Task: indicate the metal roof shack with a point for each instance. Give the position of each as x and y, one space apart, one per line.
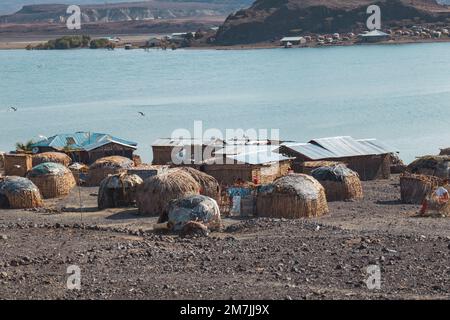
257 164
369 157
86 147
374 36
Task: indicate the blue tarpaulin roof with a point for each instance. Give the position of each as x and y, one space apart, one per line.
83 141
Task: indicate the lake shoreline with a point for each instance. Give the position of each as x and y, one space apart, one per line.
22 43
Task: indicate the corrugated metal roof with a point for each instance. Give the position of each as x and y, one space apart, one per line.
179 142
343 146
339 147
238 149
291 39
310 150
261 157
82 140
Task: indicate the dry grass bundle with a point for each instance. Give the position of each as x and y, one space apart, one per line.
118 191
340 182
292 196
154 195
56 157
104 167
438 166
53 179
414 188
19 193
208 184
308 166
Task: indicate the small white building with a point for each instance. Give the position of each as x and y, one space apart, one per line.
292 40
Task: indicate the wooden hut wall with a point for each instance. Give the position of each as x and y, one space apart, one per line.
230 173
18 164
162 155
370 167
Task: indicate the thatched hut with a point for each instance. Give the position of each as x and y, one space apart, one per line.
340 182
308 166
103 167
154 195
195 208
19 193
397 164
293 196
414 188
80 172
208 184
56 157
445 152
118 190
53 179
438 166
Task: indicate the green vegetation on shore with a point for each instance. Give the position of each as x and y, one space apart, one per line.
73 42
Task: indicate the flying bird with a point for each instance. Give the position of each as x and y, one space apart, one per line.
13 109
141 113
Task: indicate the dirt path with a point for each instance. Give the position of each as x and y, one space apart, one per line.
121 257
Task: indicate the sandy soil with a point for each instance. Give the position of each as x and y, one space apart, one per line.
120 256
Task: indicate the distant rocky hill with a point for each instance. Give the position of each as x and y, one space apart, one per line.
267 20
129 11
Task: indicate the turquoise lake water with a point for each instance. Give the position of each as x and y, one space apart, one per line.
397 93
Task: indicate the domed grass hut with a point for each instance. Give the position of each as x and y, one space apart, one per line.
197 208
118 190
56 157
340 182
292 196
154 196
104 167
414 188
19 193
209 186
53 179
438 166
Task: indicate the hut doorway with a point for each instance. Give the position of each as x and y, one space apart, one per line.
4 202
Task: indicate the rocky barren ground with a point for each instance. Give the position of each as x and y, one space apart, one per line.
120 256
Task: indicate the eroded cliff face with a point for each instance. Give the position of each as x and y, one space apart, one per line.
267 20
126 11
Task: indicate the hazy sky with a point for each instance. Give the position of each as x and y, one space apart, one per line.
11 6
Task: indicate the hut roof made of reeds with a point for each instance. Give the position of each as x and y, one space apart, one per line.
201 177
13 184
298 184
333 173
172 180
112 162
427 162
48 168
122 180
53 155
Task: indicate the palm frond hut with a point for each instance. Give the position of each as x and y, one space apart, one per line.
438 166
340 182
118 190
53 179
414 188
19 193
197 208
154 195
56 157
293 196
209 186
103 167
